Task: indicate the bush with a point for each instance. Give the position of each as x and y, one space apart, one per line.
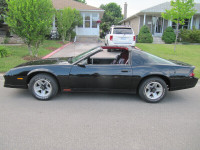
190 36
3 52
145 35
169 36
73 35
6 40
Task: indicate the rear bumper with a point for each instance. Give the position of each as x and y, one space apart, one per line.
188 83
119 44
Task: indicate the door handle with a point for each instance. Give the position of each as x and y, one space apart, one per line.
124 71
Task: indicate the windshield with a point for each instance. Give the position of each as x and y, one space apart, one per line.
122 31
82 55
146 58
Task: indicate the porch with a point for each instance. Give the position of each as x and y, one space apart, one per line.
157 24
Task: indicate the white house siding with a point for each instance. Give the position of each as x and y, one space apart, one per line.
88 28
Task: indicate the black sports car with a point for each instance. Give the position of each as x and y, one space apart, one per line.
128 70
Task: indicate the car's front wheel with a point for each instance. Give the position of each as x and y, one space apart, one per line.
153 90
43 87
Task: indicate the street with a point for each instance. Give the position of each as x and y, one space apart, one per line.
93 121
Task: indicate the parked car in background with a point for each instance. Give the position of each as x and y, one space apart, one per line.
120 36
129 71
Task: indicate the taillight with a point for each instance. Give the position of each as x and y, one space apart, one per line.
111 38
192 74
134 38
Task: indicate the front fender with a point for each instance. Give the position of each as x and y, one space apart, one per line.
40 70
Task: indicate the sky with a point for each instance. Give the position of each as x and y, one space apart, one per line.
134 6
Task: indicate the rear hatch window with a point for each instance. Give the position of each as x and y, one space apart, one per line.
122 31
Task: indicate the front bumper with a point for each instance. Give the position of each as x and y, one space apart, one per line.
13 82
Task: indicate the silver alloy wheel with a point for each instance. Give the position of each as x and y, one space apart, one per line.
42 88
153 90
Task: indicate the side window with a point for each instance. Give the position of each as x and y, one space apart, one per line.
121 58
83 62
87 20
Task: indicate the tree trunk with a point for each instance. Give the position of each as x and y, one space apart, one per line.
176 35
30 50
63 38
36 49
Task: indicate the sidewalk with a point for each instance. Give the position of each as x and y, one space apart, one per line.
1 76
75 49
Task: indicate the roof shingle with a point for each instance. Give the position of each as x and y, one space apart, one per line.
166 6
61 4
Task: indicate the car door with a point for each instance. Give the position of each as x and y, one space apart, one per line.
101 77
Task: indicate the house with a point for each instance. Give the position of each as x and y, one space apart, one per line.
152 18
90 29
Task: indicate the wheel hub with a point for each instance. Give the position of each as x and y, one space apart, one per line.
154 90
42 88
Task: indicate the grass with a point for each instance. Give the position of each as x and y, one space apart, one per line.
19 52
185 53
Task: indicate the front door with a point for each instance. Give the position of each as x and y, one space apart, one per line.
158 26
101 77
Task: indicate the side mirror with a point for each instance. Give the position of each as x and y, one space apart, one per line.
81 65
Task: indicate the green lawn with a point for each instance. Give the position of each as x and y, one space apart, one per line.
19 52
185 53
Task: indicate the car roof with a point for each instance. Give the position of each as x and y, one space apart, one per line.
120 26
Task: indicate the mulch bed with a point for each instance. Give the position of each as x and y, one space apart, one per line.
31 58
63 43
51 48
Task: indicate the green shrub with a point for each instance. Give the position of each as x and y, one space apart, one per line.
6 40
73 34
3 52
145 35
190 36
169 36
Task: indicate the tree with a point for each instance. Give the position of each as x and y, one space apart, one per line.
169 36
31 20
181 10
78 20
82 1
145 35
67 19
3 9
112 16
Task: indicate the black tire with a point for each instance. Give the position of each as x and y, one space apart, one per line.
45 79
150 90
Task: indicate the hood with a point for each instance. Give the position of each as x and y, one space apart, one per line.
49 61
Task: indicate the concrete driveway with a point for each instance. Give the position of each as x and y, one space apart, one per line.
76 49
92 121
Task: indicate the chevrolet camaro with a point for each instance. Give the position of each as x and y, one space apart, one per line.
126 70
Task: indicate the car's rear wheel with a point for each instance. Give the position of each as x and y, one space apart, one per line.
153 90
43 87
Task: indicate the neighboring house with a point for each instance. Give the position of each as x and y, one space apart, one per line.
90 30
91 16
152 18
